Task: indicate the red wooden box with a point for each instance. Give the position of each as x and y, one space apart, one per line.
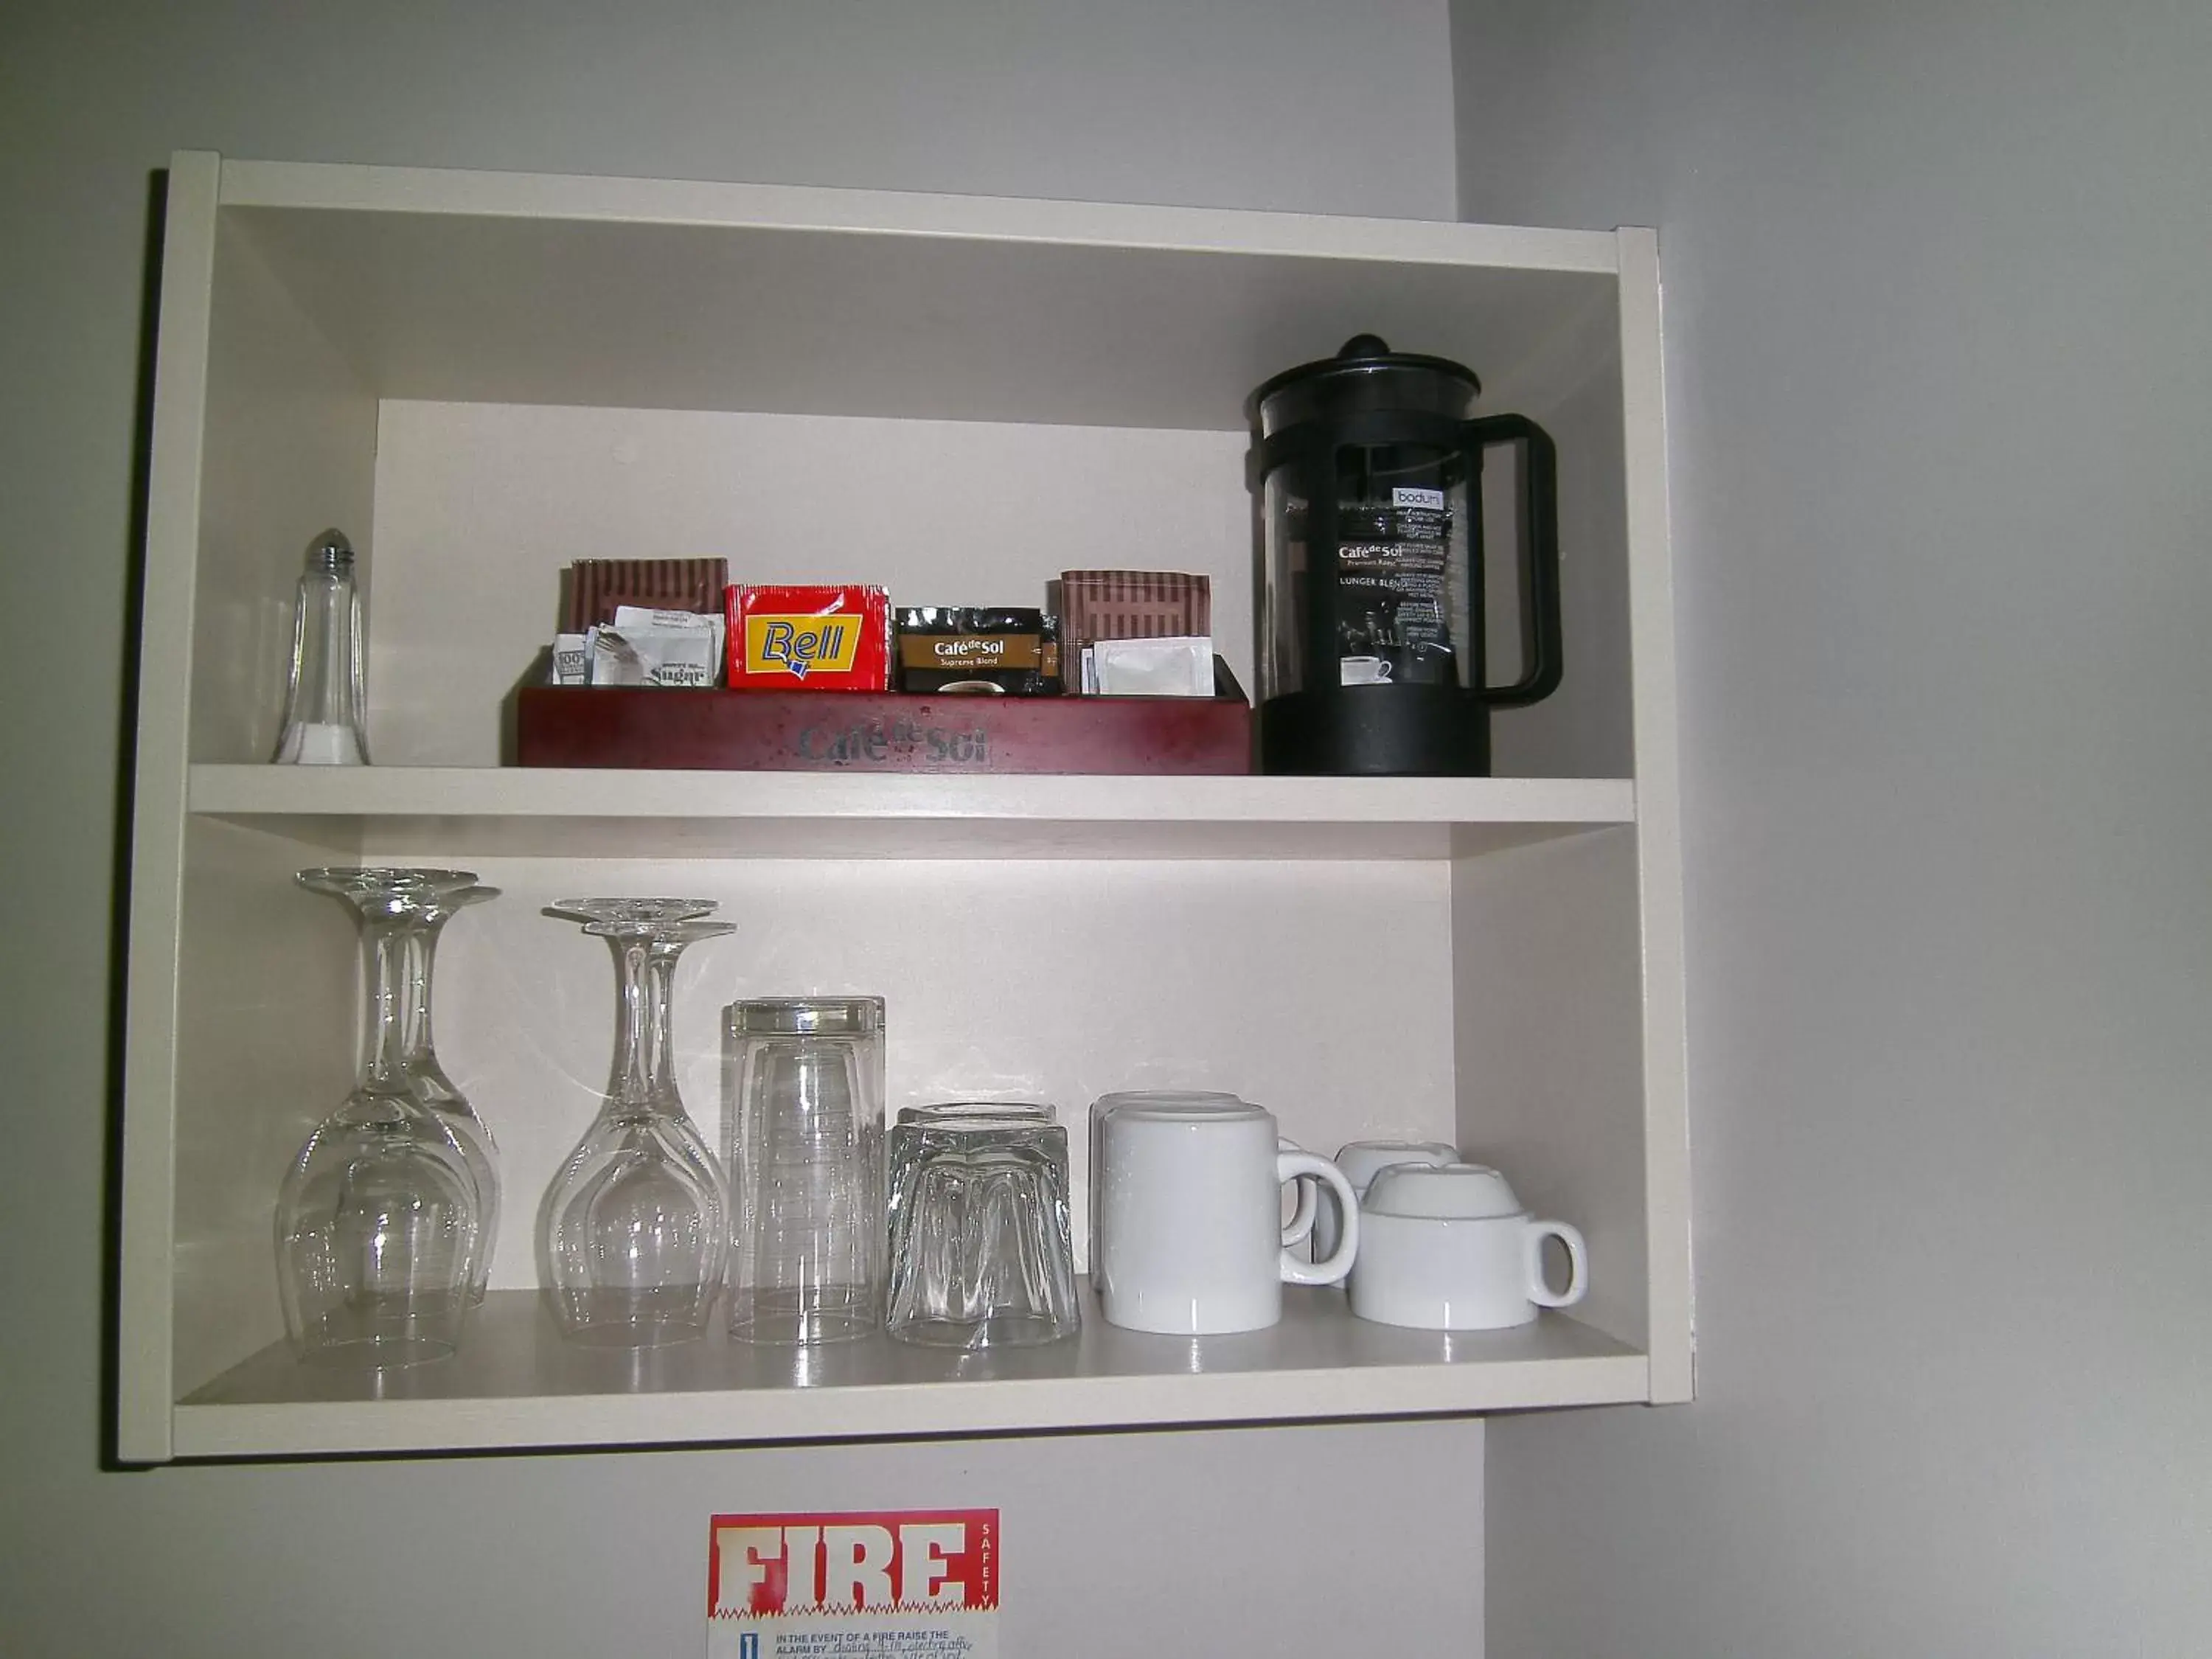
660 727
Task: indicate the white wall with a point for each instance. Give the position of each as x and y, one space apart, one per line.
1940 361
1159 1543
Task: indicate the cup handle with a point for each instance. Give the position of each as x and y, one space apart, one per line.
1301 1223
1290 1166
1577 1264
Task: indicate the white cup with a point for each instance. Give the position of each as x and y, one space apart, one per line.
1450 1248
1306 1207
1364 670
1190 1230
1361 1162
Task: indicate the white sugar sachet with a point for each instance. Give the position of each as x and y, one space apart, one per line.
1179 666
667 648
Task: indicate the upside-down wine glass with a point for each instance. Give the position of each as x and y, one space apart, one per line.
439 903
378 1220
636 1223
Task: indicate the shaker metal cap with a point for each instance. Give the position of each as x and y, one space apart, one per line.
330 551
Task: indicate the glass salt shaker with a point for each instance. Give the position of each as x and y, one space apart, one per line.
324 707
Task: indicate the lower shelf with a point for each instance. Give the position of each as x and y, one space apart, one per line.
516 1385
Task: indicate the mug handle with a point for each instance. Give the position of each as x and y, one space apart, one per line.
1289 1167
1577 1264
1301 1223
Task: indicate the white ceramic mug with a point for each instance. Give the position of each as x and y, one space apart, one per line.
1450 1248
1306 1205
1361 1161
1190 1218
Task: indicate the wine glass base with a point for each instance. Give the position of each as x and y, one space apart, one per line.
631 912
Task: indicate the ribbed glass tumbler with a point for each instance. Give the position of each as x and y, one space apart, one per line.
980 1254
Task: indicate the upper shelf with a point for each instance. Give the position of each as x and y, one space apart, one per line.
509 287
399 811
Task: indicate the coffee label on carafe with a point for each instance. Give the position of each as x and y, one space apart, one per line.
1393 567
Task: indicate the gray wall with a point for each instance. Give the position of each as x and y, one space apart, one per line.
1168 1543
1940 359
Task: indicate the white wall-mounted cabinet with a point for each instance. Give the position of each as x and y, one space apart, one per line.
481 377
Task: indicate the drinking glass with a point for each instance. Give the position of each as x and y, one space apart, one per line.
804 1144
378 1221
438 902
955 1110
635 1225
981 1251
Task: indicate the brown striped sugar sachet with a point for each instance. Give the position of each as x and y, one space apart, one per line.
596 587
1136 605
1131 605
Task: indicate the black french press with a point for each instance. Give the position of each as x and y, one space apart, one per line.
1370 471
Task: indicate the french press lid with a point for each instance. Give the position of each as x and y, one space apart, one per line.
1365 375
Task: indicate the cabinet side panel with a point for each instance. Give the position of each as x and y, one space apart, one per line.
157 811
1658 817
267 1039
1548 1024
1570 384
291 450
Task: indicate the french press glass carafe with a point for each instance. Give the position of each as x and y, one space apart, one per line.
1370 470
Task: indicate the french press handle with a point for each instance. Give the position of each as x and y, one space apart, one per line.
1539 498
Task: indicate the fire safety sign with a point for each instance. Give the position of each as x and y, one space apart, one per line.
898 1584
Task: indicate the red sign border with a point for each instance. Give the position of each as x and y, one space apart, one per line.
983 1596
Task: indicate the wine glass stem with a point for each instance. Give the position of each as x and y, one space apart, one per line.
384 1029
422 962
660 971
633 1024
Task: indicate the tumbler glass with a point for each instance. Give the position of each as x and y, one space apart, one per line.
902 1150
955 1109
981 1251
803 1140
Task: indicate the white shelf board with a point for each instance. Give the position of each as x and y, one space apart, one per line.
520 812
322 186
516 1384
510 288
